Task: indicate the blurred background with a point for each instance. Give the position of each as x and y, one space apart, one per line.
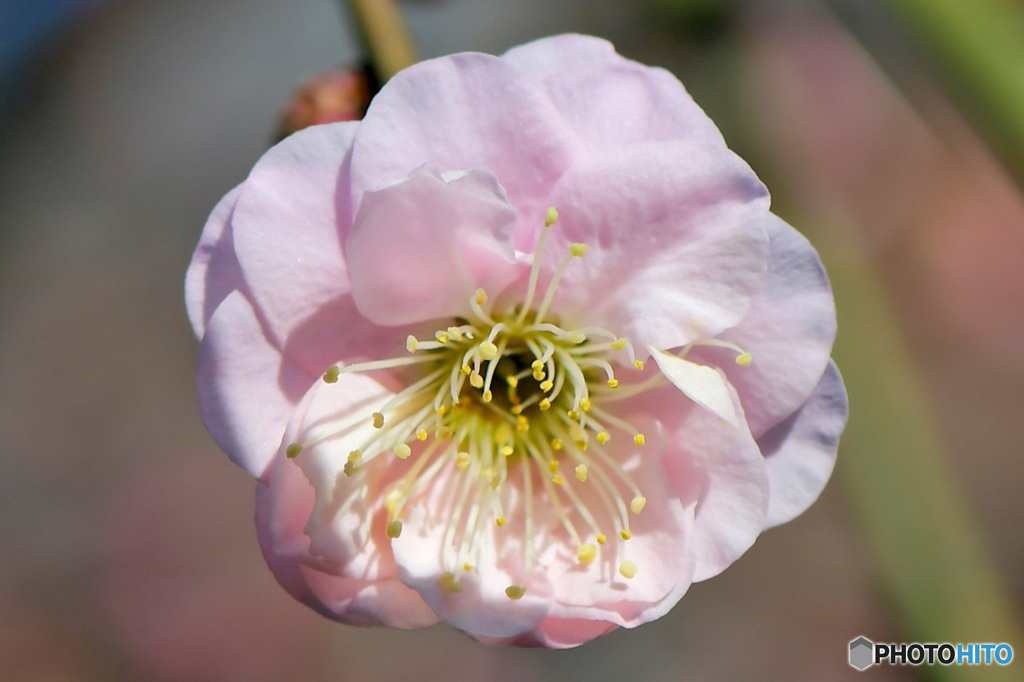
891 132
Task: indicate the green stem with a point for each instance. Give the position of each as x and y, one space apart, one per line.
980 45
926 546
385 35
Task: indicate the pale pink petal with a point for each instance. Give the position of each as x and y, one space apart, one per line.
284 502
789 332
421 247
801 451
717 466
482 608
676 237
702 384
607 101
460 112
288 223
662 548
213 272
346 526
247 389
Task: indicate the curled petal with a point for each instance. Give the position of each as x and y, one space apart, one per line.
288 225
717 466
247 388
704 385
800 452
789 332
676 237
284 502
463 111
213 272
421 247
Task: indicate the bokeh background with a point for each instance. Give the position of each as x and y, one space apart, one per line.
885 130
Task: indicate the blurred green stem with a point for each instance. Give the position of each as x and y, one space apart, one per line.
981 45
385 35
927 547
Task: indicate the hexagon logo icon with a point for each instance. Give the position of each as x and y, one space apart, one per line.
862 653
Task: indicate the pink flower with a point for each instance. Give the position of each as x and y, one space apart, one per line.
523 351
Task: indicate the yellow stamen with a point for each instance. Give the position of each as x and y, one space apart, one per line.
626 534
601 538
638 503
581 472
411 343
515 592
627 569
578 249
552 216
293 450
378 420
332 373
586 553
403 451
744 359
639 439
394 528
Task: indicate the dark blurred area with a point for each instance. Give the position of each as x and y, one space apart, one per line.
129 548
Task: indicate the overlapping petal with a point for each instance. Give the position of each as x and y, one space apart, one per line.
287 226
463 111
437 239
800 452
247 389
789 332
677 241
213 272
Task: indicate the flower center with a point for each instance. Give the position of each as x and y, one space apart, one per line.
511 399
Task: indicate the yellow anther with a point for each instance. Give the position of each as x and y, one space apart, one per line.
488 351
350 469
585 404
500 521
601 538
475 380
449 583
639 364
637 505
394 529
515 592
536 365
507 450
503 434
441 410
455 333
547 385
577 249
581 472
511 381
442 337
619 344
576 337
522 424
627 569
544 405
462 460
481 297
516 409
573 415
553 466
495 481
332 373
556 444
626 534
403 451
744 359
613 383
581 445
355 456
378 420
465 369
586 553
467 567
558 480
421 434
488 396
293 450
552 216
539 375
639 439
603 437
411 343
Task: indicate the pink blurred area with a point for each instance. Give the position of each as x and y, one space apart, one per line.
129 550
